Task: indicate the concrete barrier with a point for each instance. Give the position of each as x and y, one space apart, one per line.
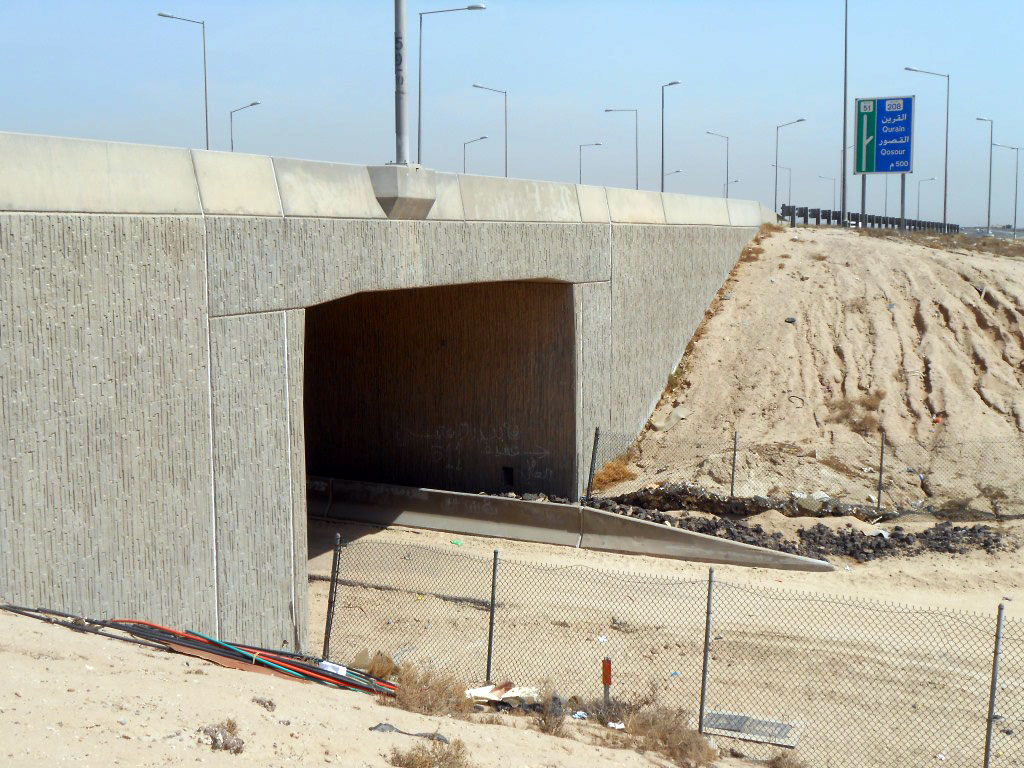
236 185
593 204
690 209
744 213
329 190
487 198
633 206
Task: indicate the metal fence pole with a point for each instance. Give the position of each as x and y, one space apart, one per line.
593 462
732 480
490 621
707 651
992 690
331 595
881 470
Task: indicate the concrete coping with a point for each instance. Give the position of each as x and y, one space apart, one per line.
54 174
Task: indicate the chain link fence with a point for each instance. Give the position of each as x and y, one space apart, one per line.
956 480
845 682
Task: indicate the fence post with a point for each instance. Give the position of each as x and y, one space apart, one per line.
992 690
707 651
732 479
881 470
331 595
593 462
490 621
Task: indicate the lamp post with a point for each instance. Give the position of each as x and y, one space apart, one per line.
846 60
505 94
723 136
775 203
231 117
1016 183
419 75
636 144
595 144
666 85
945 171
728 184
466 144
789 197
206 96
666 175
826 178
991 129
919 183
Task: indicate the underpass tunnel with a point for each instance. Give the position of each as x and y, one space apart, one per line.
461 388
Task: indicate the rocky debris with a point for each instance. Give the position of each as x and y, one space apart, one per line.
533 497
819 541
267 704
224 736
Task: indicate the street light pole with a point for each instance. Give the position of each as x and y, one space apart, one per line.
1016 183
595 144
775 203
919 183
826 178
666 85
991 129
231 118
206 92
636 143
505 94
846 59
466 144
789 197
723 136
419 74
945 172
728 184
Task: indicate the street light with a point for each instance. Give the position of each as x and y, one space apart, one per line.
775 204
789 197
595 144
206 98
919 183
231 117
991 128
419 76
826 178
734 181
945 171
1016 184
466 144
505 94
723 136
636 143
666 85
846 70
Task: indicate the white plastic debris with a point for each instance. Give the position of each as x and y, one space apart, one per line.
580 715
602 638
617 726
506 693
337 669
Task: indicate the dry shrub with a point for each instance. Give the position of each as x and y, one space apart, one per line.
549 715
665 731
860 414
429 693
751 253
781 265
224 736
381 666
766 230
615 471
434 755
819 257
786 760
858 304
785 256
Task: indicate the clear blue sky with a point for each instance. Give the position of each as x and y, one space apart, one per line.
323 70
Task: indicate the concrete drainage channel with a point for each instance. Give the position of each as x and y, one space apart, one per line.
545 522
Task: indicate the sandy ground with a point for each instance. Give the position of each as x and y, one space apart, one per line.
70 698
849 650
935 337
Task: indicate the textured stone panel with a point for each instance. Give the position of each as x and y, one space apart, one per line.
296 325
252 478
105 496
592 304
241 185
263 264
663 280
43 173
444 387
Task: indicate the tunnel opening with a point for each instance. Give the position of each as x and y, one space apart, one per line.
458 388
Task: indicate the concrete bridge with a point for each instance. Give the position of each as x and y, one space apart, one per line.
185 335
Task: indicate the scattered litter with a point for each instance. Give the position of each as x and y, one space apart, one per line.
890 306
579 715
940 757
507 694
224 736
330 666
602 638
791 320
456 542
674 674
620 726
389 728
267 704
793 399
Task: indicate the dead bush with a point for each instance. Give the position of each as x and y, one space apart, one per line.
381 666
785 256
665 731
549 716
819 257
224 736
434 755
859 414
429 693
751 253
615 471
786 760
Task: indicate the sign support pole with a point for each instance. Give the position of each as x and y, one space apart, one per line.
903 201
863 199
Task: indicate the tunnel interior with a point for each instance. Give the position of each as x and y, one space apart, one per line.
462 388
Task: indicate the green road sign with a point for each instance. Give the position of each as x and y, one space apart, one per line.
885 135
